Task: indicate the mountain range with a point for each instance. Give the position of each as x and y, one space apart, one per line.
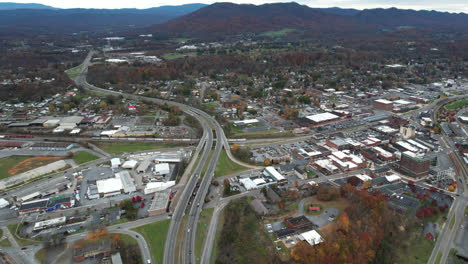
229 18
32 18
223 19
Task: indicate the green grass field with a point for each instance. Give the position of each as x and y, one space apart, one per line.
279 33
83 157
117 148
155 235
457 104
8 163
417 249
21 241
73 72
202 228
439 256
226 167
236 132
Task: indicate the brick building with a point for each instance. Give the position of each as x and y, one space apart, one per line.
415 165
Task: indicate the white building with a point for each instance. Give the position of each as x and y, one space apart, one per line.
312 237
153 187
129 164
115 163
109 187
162 169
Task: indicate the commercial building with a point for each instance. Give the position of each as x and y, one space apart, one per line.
161 169
160 203
109 187
322 118
414 164
383 104
272 172
312 237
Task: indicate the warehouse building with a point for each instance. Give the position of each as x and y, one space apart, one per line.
312 237
152 187
109 187
161 169
127 181
160 202
322 118
143 167
272 172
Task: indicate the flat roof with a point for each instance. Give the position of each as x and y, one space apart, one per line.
384 101
109 185
274 173
312 237
160 200
322 117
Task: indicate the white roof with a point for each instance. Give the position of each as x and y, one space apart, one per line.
322 117
127 181
384 101
402 102
386 129
340 155
162 168
312 237
109 185
274 173
152 187
246 121
259 181
52 121
115 162
248 183
383 152
3 203
130 164
363 177
407 146
392 178
53 221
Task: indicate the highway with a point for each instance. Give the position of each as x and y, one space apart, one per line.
185 196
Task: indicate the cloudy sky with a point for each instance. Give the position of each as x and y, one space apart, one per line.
447 5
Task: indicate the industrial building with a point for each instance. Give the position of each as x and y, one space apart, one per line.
272 172
161 169
312 237
49 223
322 118
160 203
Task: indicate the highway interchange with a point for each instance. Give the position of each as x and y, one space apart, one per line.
180 243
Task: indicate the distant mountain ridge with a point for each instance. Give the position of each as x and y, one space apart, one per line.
11 5
229 18
15 21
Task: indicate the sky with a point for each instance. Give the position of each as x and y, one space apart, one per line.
447 5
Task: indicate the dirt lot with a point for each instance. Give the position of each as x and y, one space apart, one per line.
30 164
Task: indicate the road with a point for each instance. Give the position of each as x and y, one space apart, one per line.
206 122
446 238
